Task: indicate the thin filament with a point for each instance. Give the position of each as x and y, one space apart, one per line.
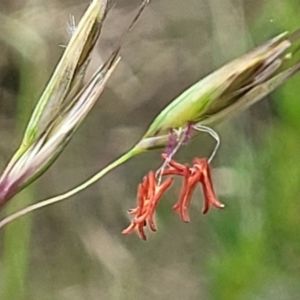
213 134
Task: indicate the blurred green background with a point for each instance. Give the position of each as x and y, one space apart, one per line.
75 250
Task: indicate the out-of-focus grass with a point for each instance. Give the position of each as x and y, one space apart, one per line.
17 238
257 251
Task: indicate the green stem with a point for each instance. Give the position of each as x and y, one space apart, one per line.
16 252
125 157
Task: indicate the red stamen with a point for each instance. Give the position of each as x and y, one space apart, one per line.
150 192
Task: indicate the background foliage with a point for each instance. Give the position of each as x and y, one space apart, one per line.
75 250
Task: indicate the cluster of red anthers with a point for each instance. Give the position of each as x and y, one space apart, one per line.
150 192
